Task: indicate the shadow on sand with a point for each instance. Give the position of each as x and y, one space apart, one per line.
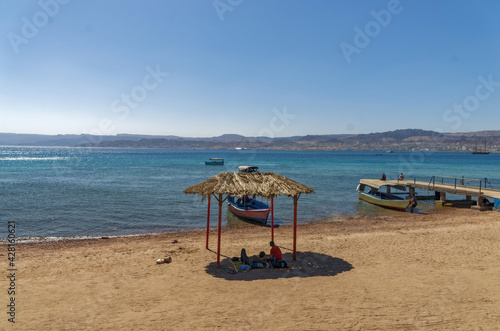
308 264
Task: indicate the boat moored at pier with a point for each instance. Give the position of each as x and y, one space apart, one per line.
372 191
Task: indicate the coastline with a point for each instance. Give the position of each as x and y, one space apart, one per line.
41 240
434 271
348 222
400 139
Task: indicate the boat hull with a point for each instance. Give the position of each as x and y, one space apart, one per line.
386 203
214 162
256 212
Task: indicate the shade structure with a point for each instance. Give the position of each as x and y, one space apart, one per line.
266 184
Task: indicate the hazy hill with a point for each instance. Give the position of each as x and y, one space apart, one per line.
16 139
405 139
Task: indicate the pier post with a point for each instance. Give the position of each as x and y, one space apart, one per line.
442 197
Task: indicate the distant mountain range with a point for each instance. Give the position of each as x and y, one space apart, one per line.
405 139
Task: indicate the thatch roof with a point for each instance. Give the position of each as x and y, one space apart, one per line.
264 184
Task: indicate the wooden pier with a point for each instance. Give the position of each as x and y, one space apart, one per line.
442 185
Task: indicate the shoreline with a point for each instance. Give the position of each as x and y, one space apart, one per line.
242 224
41 240
349 223
351 219
296 149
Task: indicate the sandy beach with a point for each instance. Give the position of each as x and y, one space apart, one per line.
439 271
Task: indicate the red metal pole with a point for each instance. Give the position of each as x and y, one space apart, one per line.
208 219
295 198
219 235
272 218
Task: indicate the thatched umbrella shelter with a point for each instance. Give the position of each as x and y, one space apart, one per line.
266 184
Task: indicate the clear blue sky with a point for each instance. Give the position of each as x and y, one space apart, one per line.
253 67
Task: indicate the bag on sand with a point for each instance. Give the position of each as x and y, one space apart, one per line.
280 264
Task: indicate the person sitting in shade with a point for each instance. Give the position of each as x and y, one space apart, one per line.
401 177
258 261
276 257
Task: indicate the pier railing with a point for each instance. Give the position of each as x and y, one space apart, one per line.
461 181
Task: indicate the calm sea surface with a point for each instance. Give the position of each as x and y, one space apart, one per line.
80 192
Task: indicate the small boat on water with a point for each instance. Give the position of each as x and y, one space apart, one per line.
371 191
215 161
248 169
248 208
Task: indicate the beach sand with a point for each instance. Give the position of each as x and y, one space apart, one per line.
439 271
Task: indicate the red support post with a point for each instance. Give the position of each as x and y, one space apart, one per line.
295 198
220 230
208 219
272 218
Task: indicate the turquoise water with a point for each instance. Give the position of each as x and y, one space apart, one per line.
74 192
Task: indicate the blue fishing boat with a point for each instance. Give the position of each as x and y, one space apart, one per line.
249 208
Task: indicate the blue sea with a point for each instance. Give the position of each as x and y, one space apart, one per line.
92 192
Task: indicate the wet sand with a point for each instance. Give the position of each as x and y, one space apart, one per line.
439 271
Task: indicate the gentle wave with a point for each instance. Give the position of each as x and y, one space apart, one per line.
24 158
36 240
